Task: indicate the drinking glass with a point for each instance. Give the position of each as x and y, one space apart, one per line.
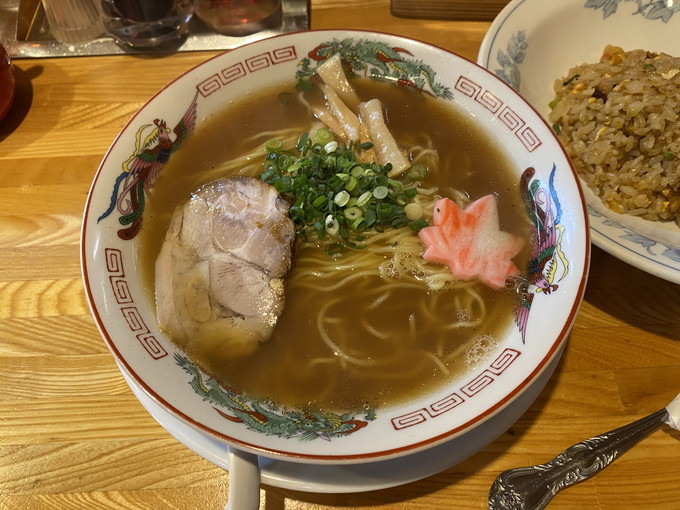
236 17
73 21
147 23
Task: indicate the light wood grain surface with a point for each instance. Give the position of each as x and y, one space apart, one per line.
73 436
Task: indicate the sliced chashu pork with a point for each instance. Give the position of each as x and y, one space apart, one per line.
219 274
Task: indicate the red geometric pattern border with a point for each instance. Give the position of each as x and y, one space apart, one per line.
466 392
240 69
121 291
505 114
137 326
119 285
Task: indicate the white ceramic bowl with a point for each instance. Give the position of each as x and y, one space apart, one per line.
517 370
531 43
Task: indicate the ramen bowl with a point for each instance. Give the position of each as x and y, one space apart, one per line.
462 414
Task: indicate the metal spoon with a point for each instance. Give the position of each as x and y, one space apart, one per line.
532 488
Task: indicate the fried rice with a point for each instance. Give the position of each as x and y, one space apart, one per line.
619 120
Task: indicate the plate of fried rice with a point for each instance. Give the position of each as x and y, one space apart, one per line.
605 74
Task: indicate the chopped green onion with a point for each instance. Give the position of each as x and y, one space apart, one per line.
284 162
395 184
399 222
351 183
357 171
364 198
335 196
278 185
418 224
384 211
370 217
332 225
565 83
269 174
410 193
359 225
319 202
417 172
335 182
380 192
296 213
323 136
273 145
304 84
302 142
320 229
352 213
341 198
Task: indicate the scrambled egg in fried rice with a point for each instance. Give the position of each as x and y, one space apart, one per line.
619 120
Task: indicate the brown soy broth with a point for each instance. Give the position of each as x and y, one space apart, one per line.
295 367
296 370
468 161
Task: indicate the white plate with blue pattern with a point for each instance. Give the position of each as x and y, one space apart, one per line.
533 42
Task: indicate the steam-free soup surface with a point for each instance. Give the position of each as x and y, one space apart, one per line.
399 340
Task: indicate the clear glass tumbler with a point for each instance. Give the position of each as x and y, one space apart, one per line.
236 17
147 23
73 21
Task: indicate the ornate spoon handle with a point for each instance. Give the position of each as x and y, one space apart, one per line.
532 488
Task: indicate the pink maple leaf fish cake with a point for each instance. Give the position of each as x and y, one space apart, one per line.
469 241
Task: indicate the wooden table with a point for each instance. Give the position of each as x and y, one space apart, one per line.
72 435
